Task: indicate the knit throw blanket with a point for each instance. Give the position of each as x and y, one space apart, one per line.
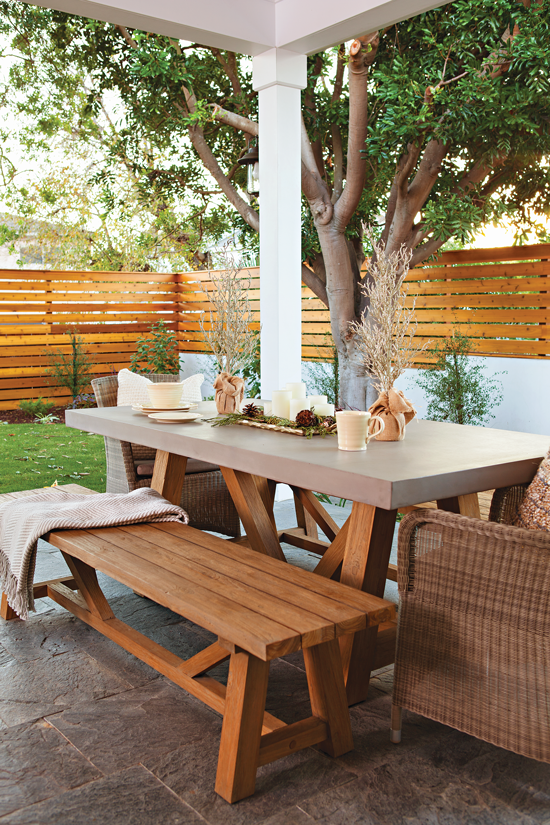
23 521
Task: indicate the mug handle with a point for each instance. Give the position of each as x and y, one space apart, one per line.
381 428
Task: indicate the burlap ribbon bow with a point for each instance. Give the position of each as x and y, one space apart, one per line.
229 393
396 411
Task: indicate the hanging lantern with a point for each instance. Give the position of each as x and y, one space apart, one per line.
252 162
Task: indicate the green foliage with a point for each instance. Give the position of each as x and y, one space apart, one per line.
452 75
158 352
34 456
72 370
38 407
457 390
251 371
323 378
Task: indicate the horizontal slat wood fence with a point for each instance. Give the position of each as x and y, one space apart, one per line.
110 310
498 297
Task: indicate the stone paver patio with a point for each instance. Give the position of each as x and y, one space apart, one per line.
89 734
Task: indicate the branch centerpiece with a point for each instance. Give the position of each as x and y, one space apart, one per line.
306 424
230 333
386 336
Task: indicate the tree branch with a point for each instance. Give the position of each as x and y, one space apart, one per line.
362 55
336 132
203 150
309 104
314 187
230 68
126 35
237 121
316 285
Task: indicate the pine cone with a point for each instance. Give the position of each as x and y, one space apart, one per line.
306 418
328 422
251 411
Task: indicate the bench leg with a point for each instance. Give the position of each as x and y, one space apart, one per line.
328 695
6 612
242 726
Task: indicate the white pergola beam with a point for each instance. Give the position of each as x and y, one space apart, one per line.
242 26
250 26
309 26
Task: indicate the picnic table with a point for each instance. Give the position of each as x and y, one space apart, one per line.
438 461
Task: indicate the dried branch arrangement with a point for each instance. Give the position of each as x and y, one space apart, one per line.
386 331
230 333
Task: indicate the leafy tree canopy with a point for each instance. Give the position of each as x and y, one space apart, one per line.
425 131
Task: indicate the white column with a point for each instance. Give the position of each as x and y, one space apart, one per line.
278 76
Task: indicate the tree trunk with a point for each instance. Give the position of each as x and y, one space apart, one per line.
342 293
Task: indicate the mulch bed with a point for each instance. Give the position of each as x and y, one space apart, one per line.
20 417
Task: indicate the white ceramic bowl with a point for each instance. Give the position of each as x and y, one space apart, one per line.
165 395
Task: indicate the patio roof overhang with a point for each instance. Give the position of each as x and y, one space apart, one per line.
251 26
278 34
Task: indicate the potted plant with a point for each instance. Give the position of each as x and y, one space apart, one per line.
230 333
385 338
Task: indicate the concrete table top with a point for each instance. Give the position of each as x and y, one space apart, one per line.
436 460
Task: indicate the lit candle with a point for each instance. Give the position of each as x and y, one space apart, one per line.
298 389
280 405
322 410
296 406
317 399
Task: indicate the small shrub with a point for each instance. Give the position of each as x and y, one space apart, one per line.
456 389
322 378
46 419
37 408
251 371
71 370
82 401
158 352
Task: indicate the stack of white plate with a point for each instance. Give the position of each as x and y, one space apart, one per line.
165 396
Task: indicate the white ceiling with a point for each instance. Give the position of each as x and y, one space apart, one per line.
251 26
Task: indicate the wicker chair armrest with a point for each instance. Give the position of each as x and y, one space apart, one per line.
480 564
506 502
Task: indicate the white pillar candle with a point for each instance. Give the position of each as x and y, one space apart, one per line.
267 407
280 405
298 389
317 399
323 409
296 406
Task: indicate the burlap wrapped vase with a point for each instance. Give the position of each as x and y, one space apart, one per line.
229 393
395 411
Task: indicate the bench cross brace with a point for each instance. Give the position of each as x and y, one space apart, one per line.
251 737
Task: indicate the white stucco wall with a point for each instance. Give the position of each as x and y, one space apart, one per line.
525 405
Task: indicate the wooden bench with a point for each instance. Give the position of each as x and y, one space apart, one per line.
259 607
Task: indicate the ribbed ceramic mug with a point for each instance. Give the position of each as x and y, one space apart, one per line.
352 427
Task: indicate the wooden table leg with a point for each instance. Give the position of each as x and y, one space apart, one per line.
169 475
251 507
304 520
463 505
364 566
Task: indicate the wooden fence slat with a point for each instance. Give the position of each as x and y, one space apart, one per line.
498 297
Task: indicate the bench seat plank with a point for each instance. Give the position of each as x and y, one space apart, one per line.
378 610
263 590
263 637
144 541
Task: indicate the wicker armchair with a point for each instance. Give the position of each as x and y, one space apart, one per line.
205 495
473 646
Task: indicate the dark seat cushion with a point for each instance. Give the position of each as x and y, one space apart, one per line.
194 465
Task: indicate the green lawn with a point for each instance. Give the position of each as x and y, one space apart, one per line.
37 455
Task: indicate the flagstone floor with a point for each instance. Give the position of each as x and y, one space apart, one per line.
88 734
